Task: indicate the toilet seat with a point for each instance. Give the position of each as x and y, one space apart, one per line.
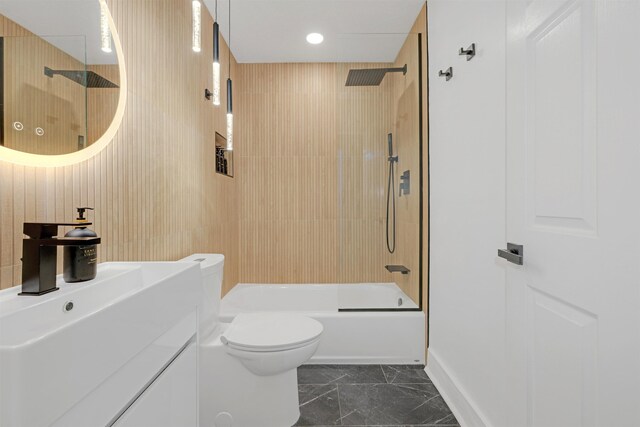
269 332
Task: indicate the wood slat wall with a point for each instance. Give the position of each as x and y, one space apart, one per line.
154 187
101 103
311 204
287 214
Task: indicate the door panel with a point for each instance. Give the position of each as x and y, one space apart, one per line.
573 322
560 118
562 363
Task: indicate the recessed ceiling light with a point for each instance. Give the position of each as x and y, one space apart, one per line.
315 38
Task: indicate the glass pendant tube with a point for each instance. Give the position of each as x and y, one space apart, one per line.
229 116
196 25
216 64
105 31
229 95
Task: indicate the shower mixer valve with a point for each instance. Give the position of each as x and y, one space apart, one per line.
405 183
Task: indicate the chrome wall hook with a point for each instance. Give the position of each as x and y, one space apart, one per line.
470 51
448 73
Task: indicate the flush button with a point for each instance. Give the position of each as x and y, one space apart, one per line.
68 306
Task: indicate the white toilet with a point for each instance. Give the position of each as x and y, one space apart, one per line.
247 368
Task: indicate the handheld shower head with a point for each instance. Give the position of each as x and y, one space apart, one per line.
392 158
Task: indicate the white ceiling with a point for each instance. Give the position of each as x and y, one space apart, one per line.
75 23
354 30
262 30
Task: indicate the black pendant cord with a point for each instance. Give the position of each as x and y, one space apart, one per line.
229 95
216 37
229 39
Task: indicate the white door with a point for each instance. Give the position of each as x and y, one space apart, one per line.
573 201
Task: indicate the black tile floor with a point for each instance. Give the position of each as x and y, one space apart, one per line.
370 395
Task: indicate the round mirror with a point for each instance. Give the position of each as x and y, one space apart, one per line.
62 77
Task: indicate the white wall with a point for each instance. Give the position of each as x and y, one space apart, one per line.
467 199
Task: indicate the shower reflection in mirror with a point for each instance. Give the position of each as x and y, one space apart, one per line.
59 75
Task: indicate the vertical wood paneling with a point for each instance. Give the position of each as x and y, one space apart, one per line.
365 118
154 187
313 162
101 103
288 208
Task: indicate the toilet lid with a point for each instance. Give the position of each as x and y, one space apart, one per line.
271 331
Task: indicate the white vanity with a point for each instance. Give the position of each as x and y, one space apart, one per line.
119 350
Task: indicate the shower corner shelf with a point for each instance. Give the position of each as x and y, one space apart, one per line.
397 269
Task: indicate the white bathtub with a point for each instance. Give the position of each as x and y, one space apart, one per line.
386 337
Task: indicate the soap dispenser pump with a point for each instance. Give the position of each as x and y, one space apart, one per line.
80 262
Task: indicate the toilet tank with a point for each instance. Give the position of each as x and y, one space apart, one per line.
212 266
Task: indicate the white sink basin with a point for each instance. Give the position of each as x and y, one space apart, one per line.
52 356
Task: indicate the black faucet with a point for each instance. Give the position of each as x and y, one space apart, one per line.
39 255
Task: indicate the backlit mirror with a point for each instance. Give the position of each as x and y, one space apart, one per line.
59 75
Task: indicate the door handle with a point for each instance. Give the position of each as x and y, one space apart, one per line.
514 253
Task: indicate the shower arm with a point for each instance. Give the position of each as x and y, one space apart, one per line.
398 69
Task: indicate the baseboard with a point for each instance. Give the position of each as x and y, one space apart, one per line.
465 410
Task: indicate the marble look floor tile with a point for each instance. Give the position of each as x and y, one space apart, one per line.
407 374
392 404
319 405
340 374
412 425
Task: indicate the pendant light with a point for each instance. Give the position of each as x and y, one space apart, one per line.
229 95
196 16
105 31
216 59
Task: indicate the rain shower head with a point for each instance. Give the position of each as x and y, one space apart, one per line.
88 79
371 76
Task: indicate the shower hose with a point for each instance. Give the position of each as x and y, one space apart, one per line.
391 197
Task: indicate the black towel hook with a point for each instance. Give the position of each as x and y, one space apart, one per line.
470 51
448 73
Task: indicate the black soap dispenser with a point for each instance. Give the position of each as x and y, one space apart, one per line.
80 262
